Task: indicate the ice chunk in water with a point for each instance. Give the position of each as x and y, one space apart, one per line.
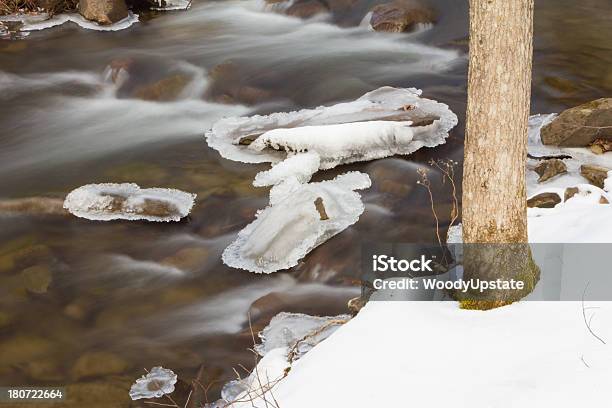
428 120
286 329
127 201
156 383
299 218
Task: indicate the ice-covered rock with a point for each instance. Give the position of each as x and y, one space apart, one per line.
300 217
127 201
287 337
156 383
388 121
286 330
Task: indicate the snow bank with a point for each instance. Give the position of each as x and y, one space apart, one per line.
109 201
347 132
300 217
404 353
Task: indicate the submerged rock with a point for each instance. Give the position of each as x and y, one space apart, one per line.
548 169
544 200
127 201
306 8
33 206
580 126
166 89
37 279
103 12
97 363
400 16
595 174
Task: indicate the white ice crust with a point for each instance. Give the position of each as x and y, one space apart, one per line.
43 21
363 129
156 383
98 202
291 226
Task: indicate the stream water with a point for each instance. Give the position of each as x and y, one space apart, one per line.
107 300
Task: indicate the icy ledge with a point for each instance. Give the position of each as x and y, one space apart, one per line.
381 123
299 218
109 201
44 21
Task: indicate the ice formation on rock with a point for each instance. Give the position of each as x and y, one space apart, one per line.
286 330
381 123
375 117
287 337
43 21
299 218
156 383
127 201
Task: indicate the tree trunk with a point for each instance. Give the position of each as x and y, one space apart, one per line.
499 90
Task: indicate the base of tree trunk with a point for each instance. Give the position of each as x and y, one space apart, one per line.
498 263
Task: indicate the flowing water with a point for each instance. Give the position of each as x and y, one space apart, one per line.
90 304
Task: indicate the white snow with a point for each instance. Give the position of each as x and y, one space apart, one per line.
172 5
127 201
433 354
156 383
301 166
291 226
361 131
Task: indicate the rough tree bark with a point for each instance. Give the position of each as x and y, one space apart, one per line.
494 196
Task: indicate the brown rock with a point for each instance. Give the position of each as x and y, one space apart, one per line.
97 363
594 174
400 16
549 169
603 200
167 89
306 8
601 146
37 279
580 126
570 192
188 259
103 11
33 206
544 200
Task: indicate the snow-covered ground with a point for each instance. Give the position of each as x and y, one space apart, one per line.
433 354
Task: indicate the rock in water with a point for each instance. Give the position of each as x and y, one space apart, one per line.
400 16
127 201
544 200
103 12
549 169
306 8
595 174
580 126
